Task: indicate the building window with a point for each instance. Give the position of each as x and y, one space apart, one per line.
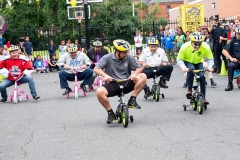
168 8
213 5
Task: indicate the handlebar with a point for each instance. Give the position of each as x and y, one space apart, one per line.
75 70
120 80
16 75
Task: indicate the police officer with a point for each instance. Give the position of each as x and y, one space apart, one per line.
217 31
232 52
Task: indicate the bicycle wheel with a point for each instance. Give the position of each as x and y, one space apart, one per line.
124 116
15 99
157 93
200 104
76 92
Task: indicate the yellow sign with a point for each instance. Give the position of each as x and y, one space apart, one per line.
191 17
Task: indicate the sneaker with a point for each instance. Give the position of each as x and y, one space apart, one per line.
111 117
36 97
185 85
236 74
213 83
206 102
133 104
68 90
162 83
229 87
3 100
147 92
83 86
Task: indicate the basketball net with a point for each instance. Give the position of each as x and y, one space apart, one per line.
79 19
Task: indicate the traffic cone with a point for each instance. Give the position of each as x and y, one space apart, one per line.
223 69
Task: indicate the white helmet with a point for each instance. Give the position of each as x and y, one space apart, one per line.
197 37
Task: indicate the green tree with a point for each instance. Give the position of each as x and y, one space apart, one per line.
114 17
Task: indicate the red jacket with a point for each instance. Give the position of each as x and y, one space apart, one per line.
15 65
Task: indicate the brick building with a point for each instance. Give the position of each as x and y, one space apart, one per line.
222 8
163 5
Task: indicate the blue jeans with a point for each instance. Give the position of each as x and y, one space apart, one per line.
25 79
64 77
190 76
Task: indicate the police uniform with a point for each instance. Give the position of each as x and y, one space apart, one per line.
156 59
217 31
233 48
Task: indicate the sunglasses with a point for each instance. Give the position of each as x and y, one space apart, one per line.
197 44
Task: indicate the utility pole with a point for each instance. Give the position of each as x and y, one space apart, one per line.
86 11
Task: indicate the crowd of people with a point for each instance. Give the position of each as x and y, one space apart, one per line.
200 49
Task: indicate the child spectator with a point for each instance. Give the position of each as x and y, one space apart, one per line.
53 64
62 49
39 64
179 39
5 50
150 33
51 49
169 46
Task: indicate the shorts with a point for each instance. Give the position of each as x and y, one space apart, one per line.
114 90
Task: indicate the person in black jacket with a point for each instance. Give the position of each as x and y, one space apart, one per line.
95 54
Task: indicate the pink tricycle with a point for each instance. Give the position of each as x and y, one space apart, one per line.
98 82
17 93
76 88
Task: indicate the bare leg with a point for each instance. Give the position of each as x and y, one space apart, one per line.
102 98
139 84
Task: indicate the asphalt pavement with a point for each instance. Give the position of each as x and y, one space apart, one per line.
57 127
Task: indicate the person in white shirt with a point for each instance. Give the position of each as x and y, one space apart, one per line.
62 49
138 41
155 57
74 59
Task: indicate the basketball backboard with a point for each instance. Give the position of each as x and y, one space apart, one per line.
81 1
74 12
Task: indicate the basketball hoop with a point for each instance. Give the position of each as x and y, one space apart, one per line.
79 19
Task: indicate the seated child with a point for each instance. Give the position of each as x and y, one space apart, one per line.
39 65
53 64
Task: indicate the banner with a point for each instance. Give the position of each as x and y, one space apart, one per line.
191 17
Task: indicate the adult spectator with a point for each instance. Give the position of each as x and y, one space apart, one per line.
51 49
16 64
216 30
119 65
138 41
160 36
28 48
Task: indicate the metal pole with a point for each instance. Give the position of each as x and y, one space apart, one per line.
87 23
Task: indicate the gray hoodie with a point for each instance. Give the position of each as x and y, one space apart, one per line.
77 62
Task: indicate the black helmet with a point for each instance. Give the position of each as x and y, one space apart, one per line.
213 18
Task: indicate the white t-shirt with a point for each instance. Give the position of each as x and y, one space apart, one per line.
153 59
138 41
62 50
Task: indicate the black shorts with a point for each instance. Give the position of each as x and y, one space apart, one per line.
114 90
